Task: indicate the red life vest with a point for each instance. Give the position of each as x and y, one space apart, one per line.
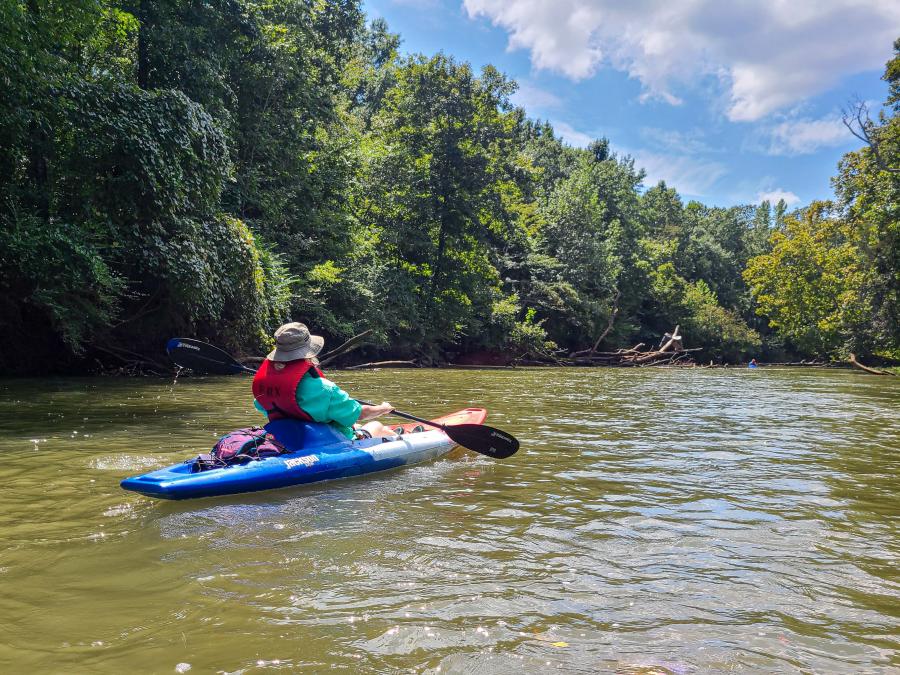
276 390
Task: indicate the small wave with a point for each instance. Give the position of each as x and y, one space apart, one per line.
126 463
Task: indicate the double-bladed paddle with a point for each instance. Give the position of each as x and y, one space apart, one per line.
203 357
207 358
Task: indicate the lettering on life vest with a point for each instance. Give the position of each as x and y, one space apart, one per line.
306 460
276 390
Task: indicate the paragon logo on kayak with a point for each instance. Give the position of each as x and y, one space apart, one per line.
306 460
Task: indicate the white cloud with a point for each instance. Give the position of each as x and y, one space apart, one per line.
691 176
572 136
559 34
768 54
776 195
533 98
805 136
690 142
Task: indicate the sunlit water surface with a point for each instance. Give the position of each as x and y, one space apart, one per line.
655 521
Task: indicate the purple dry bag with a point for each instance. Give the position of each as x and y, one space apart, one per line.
239 447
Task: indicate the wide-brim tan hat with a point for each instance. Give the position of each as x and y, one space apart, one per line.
293 341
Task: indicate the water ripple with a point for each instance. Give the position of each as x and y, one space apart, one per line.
655 521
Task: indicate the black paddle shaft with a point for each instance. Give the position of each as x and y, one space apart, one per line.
407 416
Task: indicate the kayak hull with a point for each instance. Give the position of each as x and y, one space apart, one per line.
316 453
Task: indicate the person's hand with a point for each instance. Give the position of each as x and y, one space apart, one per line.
370 412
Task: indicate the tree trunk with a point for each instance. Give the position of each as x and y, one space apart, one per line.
612 319
674 342
866 369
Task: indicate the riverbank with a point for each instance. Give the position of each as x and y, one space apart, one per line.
139 371
355 354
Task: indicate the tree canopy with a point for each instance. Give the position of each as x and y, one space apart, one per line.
213 169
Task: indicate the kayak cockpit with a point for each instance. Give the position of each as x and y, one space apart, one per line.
296 435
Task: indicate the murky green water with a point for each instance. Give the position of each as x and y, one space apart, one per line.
655 521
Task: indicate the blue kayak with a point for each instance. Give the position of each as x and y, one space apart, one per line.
316 452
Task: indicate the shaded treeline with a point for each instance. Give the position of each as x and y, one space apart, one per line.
214 168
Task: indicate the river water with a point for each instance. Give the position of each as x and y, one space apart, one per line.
654 521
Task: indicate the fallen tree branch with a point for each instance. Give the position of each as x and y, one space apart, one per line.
133 359
609 325
352 343
650 356
674 342
617 355
537 362
683 355
458 366
384 364
349 345
818 364
671 351
866 369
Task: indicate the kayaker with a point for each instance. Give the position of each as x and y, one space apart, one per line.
289 383
752 364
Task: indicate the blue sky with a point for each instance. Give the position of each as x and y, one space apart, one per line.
729 102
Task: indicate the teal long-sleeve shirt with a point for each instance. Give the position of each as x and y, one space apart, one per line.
326 402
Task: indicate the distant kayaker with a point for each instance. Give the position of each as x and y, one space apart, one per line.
290 384
752 364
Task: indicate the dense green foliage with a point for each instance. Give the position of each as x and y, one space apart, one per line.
831 283
212 169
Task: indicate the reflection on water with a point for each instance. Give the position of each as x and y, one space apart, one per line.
655 521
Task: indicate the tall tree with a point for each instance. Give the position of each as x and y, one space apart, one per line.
810 285
592 229
437 168
868 190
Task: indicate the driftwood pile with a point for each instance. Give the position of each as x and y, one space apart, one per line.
671 351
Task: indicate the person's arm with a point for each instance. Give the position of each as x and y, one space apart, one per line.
370 412
324 401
